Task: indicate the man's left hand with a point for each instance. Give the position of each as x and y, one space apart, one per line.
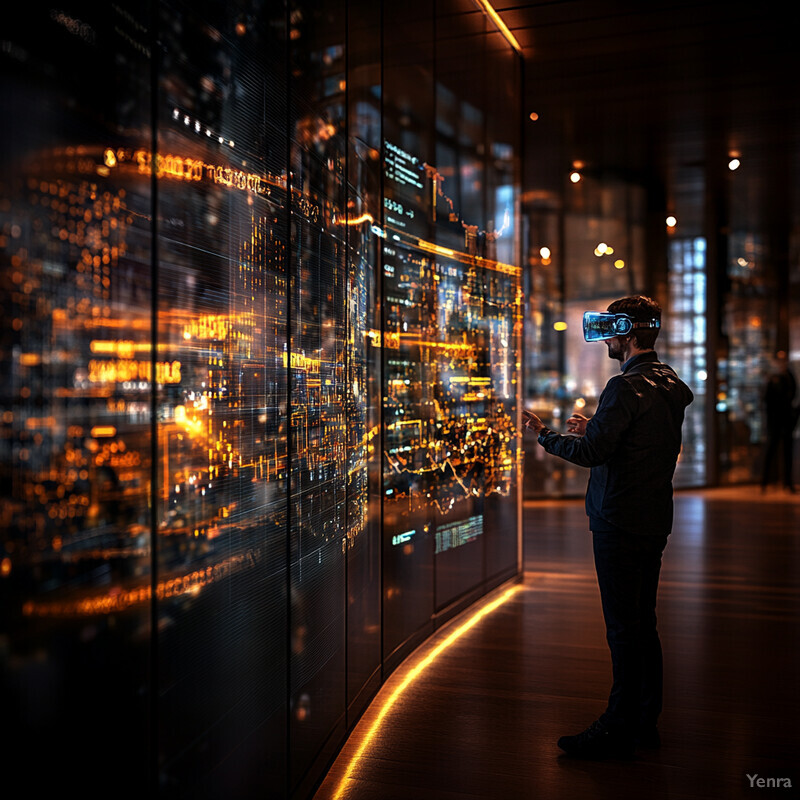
531 422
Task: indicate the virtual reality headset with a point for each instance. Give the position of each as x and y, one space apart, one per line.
598 325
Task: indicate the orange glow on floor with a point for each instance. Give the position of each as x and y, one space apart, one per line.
413 674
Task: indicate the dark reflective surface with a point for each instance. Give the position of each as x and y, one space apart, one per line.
364 93
221 478
259 353
76 396
318 390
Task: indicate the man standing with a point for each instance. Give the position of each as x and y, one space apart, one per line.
781 418
632 445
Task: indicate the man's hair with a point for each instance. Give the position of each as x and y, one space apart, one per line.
639 309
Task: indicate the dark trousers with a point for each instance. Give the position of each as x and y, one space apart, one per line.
628 567
779 438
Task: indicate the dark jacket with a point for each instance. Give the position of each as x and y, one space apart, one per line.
632 445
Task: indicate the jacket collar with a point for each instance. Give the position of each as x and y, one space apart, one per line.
640 358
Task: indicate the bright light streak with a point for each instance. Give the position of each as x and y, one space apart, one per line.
103 430
359 220
413 674
501 26
436 248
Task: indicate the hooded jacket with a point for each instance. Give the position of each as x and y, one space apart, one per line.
632 445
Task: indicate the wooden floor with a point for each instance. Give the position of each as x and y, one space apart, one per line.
482 720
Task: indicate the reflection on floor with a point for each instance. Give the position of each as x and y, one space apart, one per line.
481 721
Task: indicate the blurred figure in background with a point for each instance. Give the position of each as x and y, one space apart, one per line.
781 418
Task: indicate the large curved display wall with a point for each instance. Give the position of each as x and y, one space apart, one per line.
260 353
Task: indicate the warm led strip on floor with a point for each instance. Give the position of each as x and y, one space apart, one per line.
413 673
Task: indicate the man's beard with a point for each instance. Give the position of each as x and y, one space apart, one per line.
614 349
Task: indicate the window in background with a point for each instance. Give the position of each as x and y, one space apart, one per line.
684 348
749 320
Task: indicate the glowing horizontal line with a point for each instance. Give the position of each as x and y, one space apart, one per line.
465 258
401 422
118 347
408 341
103 430
435 248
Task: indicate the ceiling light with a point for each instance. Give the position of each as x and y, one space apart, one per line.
501 26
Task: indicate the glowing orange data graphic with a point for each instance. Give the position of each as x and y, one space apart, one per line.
415 673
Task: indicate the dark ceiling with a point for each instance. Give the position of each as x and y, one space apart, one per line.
662 91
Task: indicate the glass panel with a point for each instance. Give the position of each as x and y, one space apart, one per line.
221 495
460 440
364 322
750 321
504 306
261 310
407 276
452 312
76 388
318 378
684 349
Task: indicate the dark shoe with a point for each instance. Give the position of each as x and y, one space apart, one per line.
648 738
597 742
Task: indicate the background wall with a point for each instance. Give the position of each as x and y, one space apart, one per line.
260 351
